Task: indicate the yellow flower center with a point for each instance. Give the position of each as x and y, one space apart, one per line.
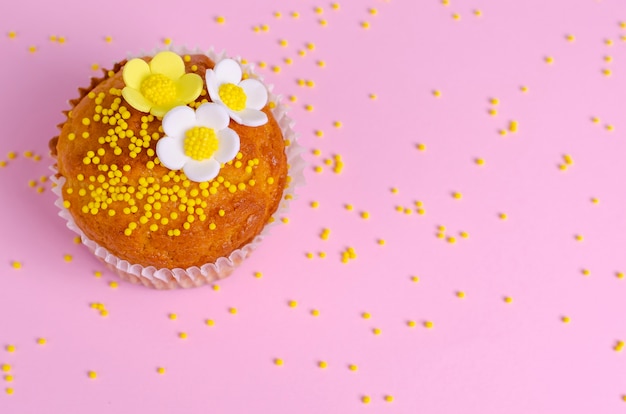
233 96
200 143
158 89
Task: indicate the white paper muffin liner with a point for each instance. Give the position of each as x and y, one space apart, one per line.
165 278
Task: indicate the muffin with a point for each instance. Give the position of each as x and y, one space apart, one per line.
171 166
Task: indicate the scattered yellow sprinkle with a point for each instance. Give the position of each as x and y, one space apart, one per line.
595 200
295 15
220 20
97 273
315 312
278 361
565 319
113 284
16 265
292 304
456 16
365 215
108 39
182 335
513 126
353 367
411 324
585 272
160 370
503 216
9 390
308 107
388 398
381 242
451 239
5 367
457 195
608 58
570 37
10 348
619 275
67 257
609 127
335 6
92 374
421 147
8 378
323 22
322 364
464 234
232 311
167 41
508 299
460 294
210 322
41 341
549 60
579 237
608 42
12 34
619 346
366 315
366 399
415 279
524 88
607 72
437 93
348 207
492 111
215 287
32 49
429 324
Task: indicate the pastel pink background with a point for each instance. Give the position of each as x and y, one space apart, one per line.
483 355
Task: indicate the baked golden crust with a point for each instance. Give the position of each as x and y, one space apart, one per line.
145 213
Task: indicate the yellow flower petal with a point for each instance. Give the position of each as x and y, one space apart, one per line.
160 111
168 64
188 87
135 71
136 99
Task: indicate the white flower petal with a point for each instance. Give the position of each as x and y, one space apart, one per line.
256 93
228 71
212 86
212 115
171 152
251 117
228 145
178 120
200 171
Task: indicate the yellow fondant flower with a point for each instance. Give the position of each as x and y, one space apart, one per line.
160 85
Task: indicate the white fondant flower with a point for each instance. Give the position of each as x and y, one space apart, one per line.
243 99
197 142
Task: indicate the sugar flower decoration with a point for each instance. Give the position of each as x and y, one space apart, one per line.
242 99
160 85
197 142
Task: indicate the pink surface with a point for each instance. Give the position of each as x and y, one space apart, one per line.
483 355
